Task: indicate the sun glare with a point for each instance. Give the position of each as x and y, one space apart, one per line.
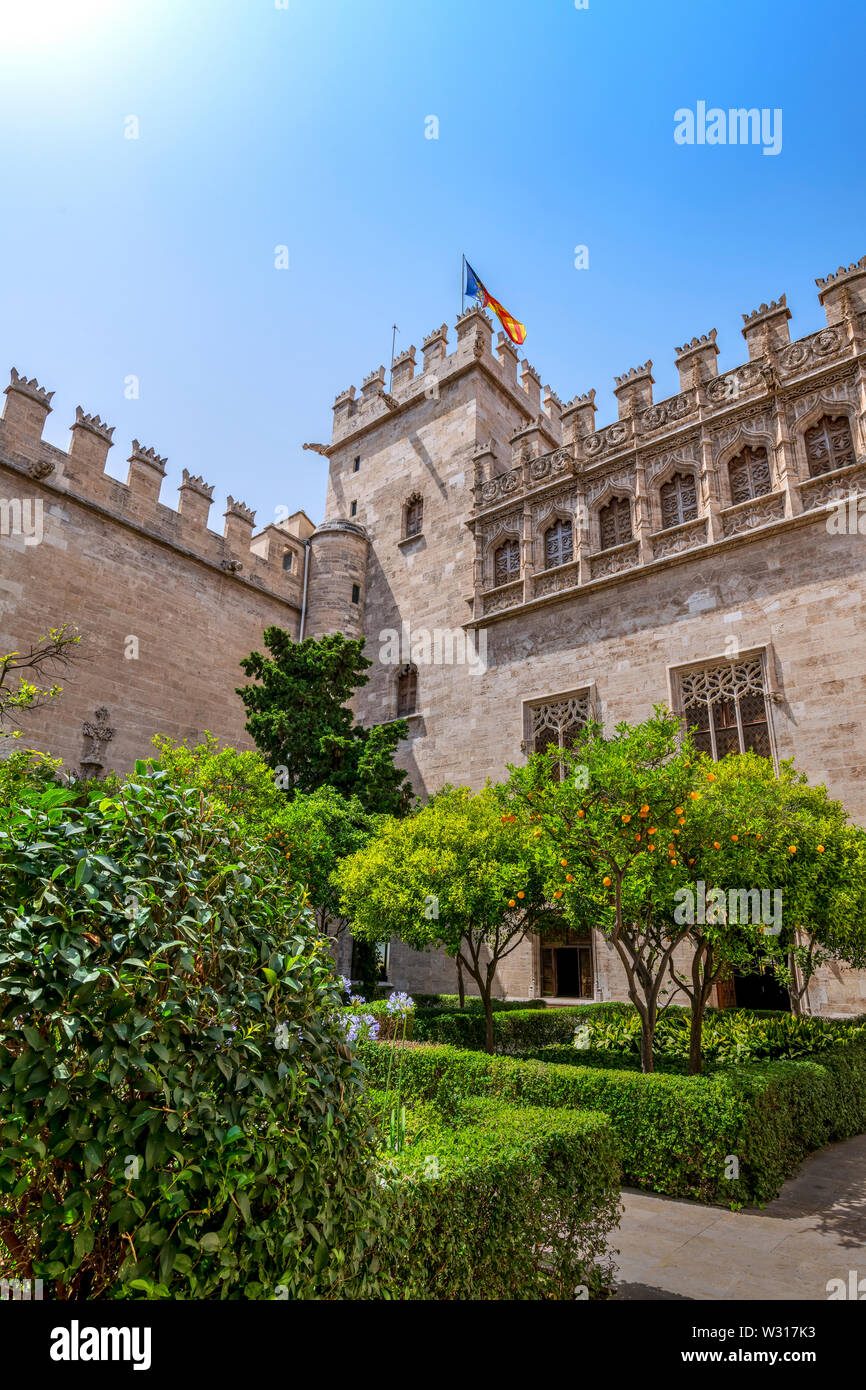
30 24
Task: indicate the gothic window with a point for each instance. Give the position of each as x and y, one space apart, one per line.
558 724
679 499
558 547
407 691
726 708
615 522
829 445
414 516
749 474
506 562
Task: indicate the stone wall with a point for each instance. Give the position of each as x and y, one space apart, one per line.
166 607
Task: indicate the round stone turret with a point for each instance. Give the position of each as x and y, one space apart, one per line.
337 579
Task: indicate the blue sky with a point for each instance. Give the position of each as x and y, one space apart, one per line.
304 126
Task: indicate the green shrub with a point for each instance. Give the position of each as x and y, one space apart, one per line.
179 1113
450 1003
729 1037
515 1030
677 1133
491 1201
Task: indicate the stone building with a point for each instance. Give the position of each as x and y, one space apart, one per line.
513 566
682 554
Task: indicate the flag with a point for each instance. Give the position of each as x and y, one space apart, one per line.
477 290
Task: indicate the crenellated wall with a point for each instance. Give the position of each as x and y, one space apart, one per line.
166 607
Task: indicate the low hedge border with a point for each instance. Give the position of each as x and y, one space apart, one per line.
513 1030
497 1201
678 1133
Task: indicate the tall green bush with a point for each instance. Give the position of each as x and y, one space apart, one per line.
179 1112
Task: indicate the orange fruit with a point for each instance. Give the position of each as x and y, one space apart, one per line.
735 838
626 820
694 795
581 814
792 849
678 810
652 830
820 849
691 861
511 902
521 894
682 820
558 893
637 837
711 777
606 881
569 878
564 863
716 844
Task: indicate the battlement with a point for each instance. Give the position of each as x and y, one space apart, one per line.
772 357
80 474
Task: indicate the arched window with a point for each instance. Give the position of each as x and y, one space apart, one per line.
829 445
558 547
615 522
288 559
679 499
749 474
414 515
407 691
506 562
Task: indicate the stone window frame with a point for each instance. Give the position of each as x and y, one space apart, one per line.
745 439
587 693
560 511
619 494
563 518
509 532
823 406
689 466
772 695
405 671
678 471
415 499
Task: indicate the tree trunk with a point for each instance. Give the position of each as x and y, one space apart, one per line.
647 1034
461 988
487 995
695 1037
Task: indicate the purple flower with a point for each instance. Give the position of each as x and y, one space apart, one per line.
400 1003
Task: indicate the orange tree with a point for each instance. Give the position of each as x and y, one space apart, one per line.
606 817
462 874
661 848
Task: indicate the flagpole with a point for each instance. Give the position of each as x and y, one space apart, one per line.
462 281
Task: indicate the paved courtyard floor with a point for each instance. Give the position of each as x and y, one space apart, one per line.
814 1231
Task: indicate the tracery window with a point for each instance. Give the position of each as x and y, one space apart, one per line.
829 445
506 562
558 545
407 691
615 522
414 515
679 500
749 475
559 723
726 708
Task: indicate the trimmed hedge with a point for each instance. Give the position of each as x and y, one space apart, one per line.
515 1030
496 1201
450 1003
677 1133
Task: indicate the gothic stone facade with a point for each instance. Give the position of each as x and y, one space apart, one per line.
513 566
688 553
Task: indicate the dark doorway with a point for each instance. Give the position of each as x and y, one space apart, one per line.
568 972
760 991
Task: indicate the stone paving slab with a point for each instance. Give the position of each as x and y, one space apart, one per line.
815 1230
